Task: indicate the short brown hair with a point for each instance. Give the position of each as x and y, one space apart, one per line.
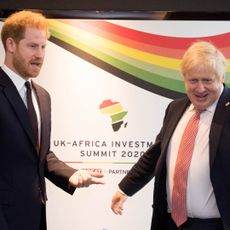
15 25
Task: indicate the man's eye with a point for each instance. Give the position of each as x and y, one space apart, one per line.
193 81
207 80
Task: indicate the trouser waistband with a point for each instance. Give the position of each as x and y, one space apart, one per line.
203 221
198 224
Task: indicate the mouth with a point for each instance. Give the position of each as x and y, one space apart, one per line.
36 64
201 97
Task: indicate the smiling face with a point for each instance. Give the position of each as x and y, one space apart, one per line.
27 55
203 88
203 67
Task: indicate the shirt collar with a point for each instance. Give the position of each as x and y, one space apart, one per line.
16 79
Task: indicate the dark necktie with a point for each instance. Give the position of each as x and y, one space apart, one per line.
32 113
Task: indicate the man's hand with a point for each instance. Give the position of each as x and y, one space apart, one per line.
83 178
117 202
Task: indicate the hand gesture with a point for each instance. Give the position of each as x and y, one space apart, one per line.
83 178
117 202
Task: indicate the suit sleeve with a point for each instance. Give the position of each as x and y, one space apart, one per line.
3 224
59 173
143 171
55 170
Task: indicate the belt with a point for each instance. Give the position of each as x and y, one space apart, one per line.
203 221
203 224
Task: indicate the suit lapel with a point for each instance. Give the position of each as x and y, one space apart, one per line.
171 120
44 116
222 109
16 102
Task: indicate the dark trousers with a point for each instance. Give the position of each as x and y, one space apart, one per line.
43 218
194 224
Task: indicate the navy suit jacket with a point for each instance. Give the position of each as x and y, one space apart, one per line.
22 168
153 162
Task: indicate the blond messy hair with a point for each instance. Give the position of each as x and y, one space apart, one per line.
204 57
15 25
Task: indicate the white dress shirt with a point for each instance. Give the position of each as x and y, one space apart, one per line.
201 201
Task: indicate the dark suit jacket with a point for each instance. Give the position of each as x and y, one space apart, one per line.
22 168
153 162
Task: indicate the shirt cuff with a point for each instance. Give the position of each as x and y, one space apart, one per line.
119 190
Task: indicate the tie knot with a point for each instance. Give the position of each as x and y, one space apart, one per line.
28 85
198 112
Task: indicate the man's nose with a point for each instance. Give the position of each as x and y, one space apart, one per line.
200 86
40 52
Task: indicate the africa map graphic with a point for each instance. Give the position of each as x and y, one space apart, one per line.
115 111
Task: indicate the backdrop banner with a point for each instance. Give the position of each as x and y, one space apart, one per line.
110 82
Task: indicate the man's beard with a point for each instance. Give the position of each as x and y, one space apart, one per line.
21 67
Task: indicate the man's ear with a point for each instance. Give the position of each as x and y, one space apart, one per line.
10 45
222 79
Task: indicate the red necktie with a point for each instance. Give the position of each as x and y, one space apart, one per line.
179 210
32 113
